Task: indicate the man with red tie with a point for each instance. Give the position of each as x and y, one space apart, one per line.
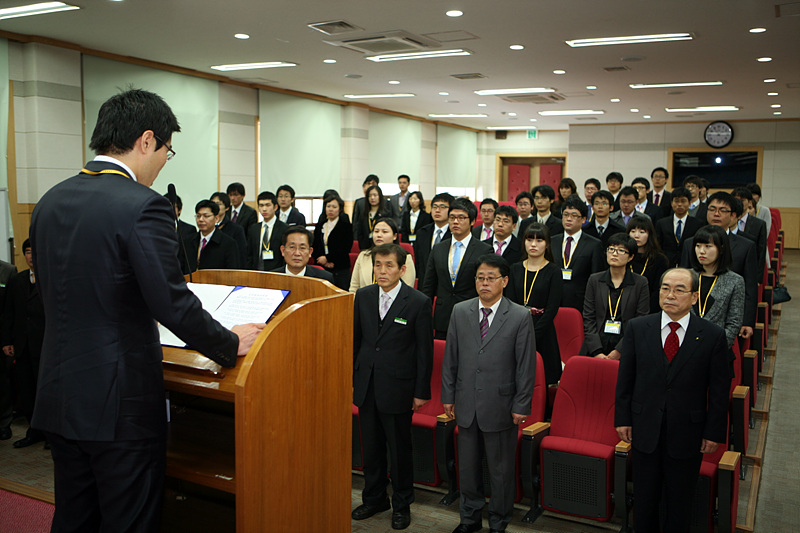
671 401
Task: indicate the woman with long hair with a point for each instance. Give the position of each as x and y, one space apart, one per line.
414 217
384 232
333 240
375 207
566 188
649 261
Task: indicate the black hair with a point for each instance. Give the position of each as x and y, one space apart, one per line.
544 190
592 181
297 229
465 205
681 192
693 179
382 207
328 193
603 194
371 177
662 169
334 198
623 239
209 204
267 195
718 237
235 187
390 248
706 183
508 211
226 200
124 117
26 245
443 197
389 221
524 194
652 248
575 202
418 194
643 181
491 201
754 188
743 192
566 182
628 191
727 199
178 202
287 188
615 176
401 176
494 261
538 231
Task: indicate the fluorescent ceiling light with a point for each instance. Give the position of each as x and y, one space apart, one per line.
764 59
528 90
329 61
631 39
242 36
458 115
252 66
646 116
517 47
679 84
394 82
591 87
772 94
510 127
634 110
559 71
35 9
757 30
418 55
614 100
383 95
454 13
569 112
702 108
770 80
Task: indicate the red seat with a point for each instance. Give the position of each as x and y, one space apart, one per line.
409 249
569 331
353 258
355 248
717 492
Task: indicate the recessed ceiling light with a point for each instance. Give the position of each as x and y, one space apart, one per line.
251 66
458 115
517 47
777 113
757 30
775 106
512 114
615 100
701 108
528 90
482 105
241 36
764 59
418 55
454 13
444 94
631 39
394 82
379 95
646 116
569 112
329 61
35 9
772 94
634 110
591 87
559 71
676 84
533 120
510 127
770 80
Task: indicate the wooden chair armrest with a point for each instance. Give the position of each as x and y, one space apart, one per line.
623 447
750 354
536 428
443 418
729 460
741 392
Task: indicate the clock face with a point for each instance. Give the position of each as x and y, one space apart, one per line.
718 134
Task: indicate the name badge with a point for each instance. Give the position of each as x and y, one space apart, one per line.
566 274
267 255
370 234
412 238
326 249
401 321
613 326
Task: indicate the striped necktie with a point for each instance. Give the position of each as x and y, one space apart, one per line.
485 321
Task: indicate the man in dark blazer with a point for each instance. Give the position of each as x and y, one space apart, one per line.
100 396
487 382
7 270
602 203
241 213
450 273
211 248
504 243
392 365
488 210
671 402
432 234
577 255
186 233
399 201
751 227
232 230
659 195
674 230
296 251
627 200
643 205
264 240
21 334
288 213
543 198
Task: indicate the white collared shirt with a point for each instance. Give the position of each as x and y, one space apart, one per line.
435 229
491 316
109 159
681 331
575 239
507 241
413 216
392 295
284 215
302 272
206 237
675 220
695 204
270 226
641 207
543 219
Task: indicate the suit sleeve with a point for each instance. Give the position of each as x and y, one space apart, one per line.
718 391
626 379
423 333
598 261
555 289
735 314
592 336
450 361
7 318
642 304
431 280
525 351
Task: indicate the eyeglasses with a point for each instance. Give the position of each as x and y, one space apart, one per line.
302 248
676 291
440 206
484 279
617 251
171 152
571 215
459 218
715 209
198 216
601 204
503 220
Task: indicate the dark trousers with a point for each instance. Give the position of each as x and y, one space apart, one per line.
500 448
6 404
378 431
108 486
27 370
657 475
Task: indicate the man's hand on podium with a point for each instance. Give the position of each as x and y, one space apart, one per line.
247 334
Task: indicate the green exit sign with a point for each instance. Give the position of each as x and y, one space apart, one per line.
533 134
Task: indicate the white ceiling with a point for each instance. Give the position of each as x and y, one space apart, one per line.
199 33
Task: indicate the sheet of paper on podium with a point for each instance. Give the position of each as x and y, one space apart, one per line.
230 305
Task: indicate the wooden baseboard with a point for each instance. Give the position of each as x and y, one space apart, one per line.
25 490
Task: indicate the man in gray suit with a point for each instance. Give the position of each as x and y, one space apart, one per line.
400 200
487 384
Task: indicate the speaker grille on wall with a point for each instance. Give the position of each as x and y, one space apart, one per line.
500 134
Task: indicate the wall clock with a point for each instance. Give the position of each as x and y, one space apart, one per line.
718 134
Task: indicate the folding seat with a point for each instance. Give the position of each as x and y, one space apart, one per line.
716 496
739 412
569 330
408 248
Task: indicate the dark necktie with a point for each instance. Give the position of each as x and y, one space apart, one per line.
485 321
438 236
656 199
567 251
235 216
672 344
600 230
678 231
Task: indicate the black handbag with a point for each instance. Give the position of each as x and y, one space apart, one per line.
780 294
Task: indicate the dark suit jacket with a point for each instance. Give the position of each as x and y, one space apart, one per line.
692 390
755 229
512 252
395 201
340 241
100 374
653 211
254 247
586 259
553 224
235 232
220 252
422 248
396 353
634 301
665 233
311 272
478 232
186 234
247 217
664 202
613 228
295 217
22 322
7 270
361 229
437 279
423 219
701 213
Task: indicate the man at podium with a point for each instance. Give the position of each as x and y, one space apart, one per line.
105 255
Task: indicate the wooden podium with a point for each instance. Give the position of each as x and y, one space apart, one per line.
285 453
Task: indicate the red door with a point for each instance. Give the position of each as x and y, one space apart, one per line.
550 175
519 177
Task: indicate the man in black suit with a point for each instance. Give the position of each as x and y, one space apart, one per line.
488 211
100 395
525 210
399 201
186 233
591 186
602 227
296 251
543 198
224 224
643 205
674 230
432 234
21 334
751 227
288 213
358 205
392 365
211 248
660 196
264 240
614 182
241 213
504 243
627 207
7 270
450 273
671 402
696 206
577 255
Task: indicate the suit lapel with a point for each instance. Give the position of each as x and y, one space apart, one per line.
474 314
497 322
654 345
397 307
688 348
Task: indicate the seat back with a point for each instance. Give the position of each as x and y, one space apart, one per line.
409 249
434 407
539 400
569 332
584 405
355 248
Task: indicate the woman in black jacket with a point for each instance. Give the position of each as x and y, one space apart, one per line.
333 240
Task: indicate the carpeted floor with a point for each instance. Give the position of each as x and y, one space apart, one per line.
24 515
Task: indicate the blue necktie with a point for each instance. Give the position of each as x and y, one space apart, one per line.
456 259
678 231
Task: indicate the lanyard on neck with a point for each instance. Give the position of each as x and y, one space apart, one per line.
106 171
614 313
703 306
525 281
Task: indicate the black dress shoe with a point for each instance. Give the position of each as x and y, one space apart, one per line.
401 519
5 433
365 511
468 528
496 530
27 441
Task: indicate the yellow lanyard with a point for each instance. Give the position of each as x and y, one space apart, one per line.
525 281
372 221
614 314
703 306
106 171
643 269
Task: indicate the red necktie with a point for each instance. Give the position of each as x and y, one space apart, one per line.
567 251
672 344
500 245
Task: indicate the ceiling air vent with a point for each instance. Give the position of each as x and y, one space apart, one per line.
616 69
468 76
387 42
334 27
585 118
546 98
